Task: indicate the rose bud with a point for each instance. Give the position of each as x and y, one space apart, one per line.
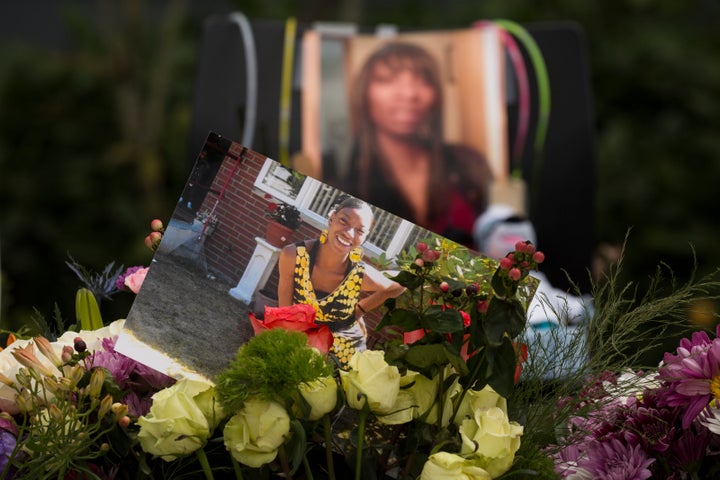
520 246
419 262
538 257
421 246
505 263
444 286
514 274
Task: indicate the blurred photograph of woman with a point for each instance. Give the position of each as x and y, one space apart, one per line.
329 274
400 161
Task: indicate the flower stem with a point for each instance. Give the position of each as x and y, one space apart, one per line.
361 436
236 468
202 458
308 470
328 448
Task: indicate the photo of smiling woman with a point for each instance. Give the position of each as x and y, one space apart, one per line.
329 274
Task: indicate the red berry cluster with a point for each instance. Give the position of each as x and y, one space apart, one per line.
518 263
153 239
425 254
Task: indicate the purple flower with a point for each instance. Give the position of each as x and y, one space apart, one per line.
693 375
651 426
614 460
138 380
688 450
8 441
120 280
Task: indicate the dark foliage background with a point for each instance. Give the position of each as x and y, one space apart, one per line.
95 105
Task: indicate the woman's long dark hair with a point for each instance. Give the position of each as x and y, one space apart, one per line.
399 56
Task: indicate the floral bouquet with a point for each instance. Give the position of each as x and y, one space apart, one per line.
283 213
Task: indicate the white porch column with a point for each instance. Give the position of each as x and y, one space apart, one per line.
257 272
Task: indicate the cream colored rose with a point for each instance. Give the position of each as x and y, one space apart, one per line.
475 399
406 402
370 377
181 419
448 399
254 434
448 466
321 395
491 438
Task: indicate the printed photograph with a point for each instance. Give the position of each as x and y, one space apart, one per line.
249 232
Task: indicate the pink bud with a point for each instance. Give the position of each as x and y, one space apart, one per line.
67 353
538 257
520 246
529 248
514 274
430 255
444 286
421 246
419 262
124 421
149 243
156 225
506 263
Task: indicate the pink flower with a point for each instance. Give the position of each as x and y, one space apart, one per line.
135 280
692 375
299 318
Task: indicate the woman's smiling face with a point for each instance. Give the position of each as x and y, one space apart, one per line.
348 228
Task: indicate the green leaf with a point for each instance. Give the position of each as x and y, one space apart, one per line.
87 310
502 362
400 317
504 316
296 446
408 280
442 321
423 358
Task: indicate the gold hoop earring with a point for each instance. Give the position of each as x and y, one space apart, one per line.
356 254
323 236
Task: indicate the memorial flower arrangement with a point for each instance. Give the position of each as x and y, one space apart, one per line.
283 213
441 396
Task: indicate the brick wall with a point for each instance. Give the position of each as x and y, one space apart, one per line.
241 217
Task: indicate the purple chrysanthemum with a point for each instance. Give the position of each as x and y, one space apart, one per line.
688 450
613 460
139 380
651 426
692 375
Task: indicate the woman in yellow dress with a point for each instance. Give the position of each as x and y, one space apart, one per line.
328 273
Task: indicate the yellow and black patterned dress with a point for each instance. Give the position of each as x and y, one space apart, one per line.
336 309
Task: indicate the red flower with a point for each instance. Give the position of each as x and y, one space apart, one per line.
521 351
298 318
